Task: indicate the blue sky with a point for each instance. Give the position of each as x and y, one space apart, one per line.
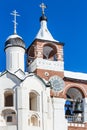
67 22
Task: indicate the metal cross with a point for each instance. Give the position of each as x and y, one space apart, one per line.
15 14
43 6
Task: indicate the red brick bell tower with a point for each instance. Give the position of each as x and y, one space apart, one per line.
45 55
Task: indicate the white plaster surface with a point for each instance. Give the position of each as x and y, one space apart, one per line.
75 75
44 33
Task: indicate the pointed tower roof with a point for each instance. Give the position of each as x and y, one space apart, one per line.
14 39
44 33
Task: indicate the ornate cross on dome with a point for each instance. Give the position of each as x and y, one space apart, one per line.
15 14
43 6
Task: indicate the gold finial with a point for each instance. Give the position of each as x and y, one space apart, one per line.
43 6
15 14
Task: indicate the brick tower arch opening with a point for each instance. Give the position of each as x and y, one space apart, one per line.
30 54
50 51
76 86
74 105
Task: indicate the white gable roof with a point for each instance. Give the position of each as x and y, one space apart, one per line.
44 33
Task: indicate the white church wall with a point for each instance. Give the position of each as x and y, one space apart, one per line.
50 114
8 84
22 108
14 127
85 109
5 85
8 80
1 99
34 128
59 121
30 84
22 119
22 97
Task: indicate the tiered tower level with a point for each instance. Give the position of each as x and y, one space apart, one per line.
45 55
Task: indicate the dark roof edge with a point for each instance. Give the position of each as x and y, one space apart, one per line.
3 73
14 46
74 80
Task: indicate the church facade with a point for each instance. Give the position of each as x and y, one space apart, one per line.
45 96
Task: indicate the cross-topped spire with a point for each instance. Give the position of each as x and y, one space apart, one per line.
43 6
15 14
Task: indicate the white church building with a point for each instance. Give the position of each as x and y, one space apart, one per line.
45 97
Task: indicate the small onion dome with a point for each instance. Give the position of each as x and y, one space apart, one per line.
43 17
14 40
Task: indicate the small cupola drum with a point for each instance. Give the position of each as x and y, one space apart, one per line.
15 49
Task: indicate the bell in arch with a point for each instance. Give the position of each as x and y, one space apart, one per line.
78 106
68 108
